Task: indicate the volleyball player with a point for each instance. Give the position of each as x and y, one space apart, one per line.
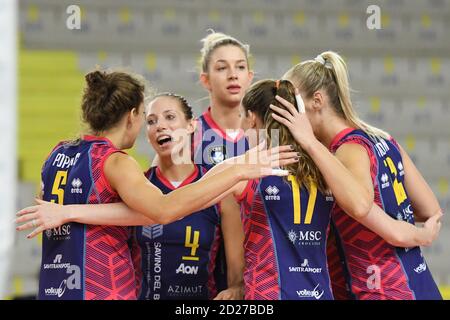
376 267
94 261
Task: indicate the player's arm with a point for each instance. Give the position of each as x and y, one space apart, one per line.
347 175
284 158
140 195
143 197
346 178
236 190
233 235
143 202
419 192
401 233
51 215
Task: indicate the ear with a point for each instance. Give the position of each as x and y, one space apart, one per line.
204 80
251 74
192 125
318 100
252 117
133 116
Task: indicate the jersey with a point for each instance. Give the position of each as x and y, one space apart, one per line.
376 269
83 261
178 259
286 228
210 146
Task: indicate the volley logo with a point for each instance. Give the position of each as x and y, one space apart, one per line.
73 281
314 293
421 268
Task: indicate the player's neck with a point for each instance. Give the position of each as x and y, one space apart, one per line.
116 136
226 116
329 129
175 172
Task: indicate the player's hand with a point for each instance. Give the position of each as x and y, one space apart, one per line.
431 229
45 215
296 121
232 293
259 162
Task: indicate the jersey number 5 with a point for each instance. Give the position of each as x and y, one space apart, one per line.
57 190
297 203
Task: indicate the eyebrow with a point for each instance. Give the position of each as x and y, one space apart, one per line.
225 61
164 112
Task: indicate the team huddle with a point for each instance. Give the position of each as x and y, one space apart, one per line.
277 191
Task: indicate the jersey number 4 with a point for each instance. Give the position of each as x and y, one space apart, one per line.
193 244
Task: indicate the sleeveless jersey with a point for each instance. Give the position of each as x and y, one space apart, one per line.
178 259
210 146
376 269
286 231
83 261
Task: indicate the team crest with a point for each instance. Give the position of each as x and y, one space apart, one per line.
217 154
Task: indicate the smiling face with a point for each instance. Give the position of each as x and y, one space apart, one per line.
228 74
167 125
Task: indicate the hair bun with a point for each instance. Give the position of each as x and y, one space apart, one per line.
96 79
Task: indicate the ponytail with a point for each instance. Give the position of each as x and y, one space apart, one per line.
329 71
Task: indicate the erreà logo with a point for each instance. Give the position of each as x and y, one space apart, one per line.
76 186
384 181
272 193
153 231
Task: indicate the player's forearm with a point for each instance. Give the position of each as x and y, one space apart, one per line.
192 197
408 235
395 232
348 192
235 273
111 214
422 198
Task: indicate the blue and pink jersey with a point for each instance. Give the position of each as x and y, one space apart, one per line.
178 259
286 228
84 261
374 269
210 146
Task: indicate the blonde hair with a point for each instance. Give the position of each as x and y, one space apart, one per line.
215 40
329 71
257 99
